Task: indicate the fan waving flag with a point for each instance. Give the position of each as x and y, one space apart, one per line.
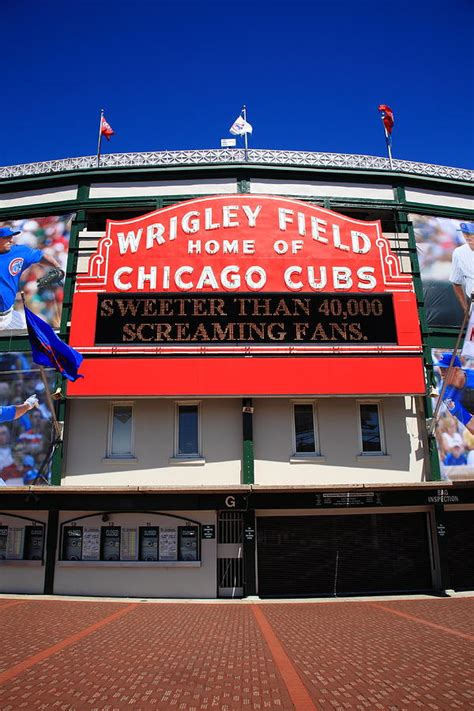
387 118
106 129
48 350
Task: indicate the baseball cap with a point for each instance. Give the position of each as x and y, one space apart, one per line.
30 475
445 361
28 461
8 232
467 227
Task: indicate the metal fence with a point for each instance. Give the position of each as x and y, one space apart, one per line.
336 161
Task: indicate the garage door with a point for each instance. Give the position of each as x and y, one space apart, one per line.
340 555
460 544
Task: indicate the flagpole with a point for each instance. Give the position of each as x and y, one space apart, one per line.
100 137
57 426
246 143
389 146
49 401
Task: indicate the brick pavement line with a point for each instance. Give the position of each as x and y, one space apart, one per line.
299 695
10 604
422 621
19 668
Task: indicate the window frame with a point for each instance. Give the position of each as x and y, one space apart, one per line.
112 406
197 456
317 443
382 452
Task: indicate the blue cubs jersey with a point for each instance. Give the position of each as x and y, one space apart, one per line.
453 398
7 413
12 266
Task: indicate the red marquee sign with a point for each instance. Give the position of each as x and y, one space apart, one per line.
242 275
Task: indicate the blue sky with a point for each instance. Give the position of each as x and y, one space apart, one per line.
175 74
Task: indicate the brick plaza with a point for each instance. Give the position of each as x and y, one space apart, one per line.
375 653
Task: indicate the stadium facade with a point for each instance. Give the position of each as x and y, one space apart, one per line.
260 337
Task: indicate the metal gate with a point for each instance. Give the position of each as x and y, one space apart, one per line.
342 555
230 561
460 543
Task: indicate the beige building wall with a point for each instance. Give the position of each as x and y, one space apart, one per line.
154 464
340 460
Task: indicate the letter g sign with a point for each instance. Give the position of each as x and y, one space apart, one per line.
230 502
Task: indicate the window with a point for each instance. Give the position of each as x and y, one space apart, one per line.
121 431
304 428
371 428
187 444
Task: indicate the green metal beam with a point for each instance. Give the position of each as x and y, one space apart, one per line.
404 225
248 474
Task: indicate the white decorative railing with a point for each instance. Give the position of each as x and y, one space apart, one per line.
233 156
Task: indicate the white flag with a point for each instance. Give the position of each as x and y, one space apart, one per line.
240 126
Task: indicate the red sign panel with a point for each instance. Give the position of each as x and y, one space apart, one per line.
243 275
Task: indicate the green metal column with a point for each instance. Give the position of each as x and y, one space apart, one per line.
404 226
243 185
79 223
247 451
250 552
50 553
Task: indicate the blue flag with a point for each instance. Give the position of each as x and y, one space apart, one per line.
48 350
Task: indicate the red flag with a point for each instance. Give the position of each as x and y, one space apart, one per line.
106 129
387 117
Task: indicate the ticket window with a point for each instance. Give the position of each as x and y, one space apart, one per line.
110 543
72 543
3 542
34 537
148 543
188 543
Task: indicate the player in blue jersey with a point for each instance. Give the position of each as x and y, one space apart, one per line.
459 384
14 260
13 412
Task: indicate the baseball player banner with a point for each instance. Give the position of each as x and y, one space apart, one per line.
454 430
445 249
26 428
33 257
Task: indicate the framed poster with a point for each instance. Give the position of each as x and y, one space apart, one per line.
15 542
91 544
168 543
128 543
